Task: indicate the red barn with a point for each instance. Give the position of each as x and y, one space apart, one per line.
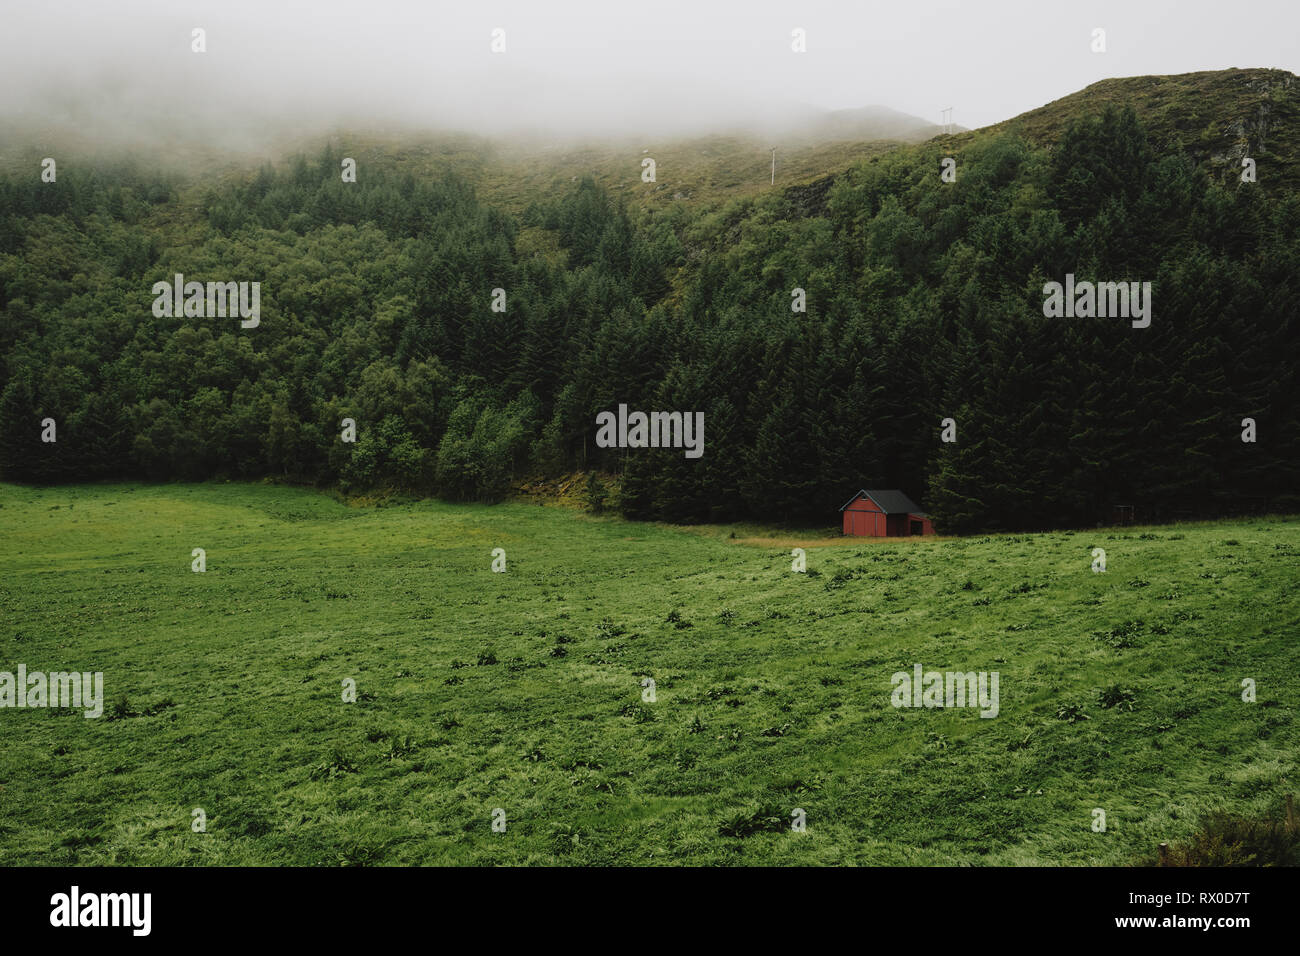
881 514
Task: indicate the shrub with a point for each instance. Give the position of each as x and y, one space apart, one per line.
595 493
747 822
1225 839
1071 712
1116 696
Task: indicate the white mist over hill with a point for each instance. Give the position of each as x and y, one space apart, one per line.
587 68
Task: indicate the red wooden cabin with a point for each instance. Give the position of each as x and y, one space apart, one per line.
884 514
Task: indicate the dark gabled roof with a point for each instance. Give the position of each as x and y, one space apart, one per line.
890 501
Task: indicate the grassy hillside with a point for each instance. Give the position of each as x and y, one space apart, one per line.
1217 116
513 171
522 690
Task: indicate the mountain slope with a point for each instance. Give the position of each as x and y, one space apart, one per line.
1218 117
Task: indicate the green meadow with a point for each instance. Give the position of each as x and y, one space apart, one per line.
522 691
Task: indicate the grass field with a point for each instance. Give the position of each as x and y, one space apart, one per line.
522 691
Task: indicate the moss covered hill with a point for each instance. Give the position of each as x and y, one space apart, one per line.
1217 117
699 171
512 172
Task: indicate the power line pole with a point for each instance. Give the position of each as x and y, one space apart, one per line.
773 148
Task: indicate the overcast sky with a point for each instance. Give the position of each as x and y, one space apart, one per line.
593 66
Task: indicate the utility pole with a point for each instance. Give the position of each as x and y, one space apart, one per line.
773 148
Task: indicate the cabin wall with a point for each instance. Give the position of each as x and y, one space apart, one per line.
863 519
